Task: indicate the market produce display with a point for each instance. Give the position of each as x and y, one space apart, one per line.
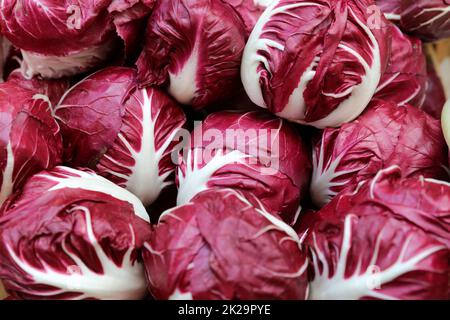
224 150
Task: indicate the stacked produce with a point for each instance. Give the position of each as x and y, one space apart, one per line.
223 149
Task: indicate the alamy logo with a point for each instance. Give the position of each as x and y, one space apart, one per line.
74 20
375 20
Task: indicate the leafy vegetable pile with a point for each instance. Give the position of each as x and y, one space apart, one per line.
223 149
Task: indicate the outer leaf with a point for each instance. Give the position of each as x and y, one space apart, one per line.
404 81
392 9
29 137
100 122
427 19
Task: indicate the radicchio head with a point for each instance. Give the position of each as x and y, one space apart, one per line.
435 94
194 47
30 140
316 62
222 246
404 81
253 152
446 122
375 256
125 133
